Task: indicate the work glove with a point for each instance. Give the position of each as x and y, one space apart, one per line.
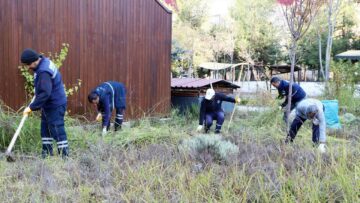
321 148
283 108
99 117
316 121
199 128
237 100
104 131
280 96
27 111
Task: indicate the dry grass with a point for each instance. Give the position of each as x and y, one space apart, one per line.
143 164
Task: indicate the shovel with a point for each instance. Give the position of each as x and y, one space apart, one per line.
9 157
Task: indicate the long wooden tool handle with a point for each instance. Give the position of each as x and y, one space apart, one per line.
231 117
13 140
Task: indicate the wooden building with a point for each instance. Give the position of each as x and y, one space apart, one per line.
186 92
123 40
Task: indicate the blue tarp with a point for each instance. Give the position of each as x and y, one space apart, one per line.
332 114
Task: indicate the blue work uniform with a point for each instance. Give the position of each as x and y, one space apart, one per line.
211 110
50 97
297 95
111 95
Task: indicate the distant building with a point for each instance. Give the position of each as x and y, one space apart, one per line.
186 92
352 55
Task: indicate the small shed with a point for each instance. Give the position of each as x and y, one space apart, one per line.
186 92
353 55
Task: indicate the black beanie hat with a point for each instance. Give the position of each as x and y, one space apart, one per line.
28 56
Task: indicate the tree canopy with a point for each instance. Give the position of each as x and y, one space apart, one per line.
254 33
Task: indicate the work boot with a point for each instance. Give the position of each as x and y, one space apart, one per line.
45 153
207 130
64 152
288 140
217 131
117 126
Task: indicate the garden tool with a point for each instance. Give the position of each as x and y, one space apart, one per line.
233 112
9 157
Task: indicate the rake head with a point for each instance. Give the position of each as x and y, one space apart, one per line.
10 157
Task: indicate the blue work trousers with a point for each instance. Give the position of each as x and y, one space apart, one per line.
52 128
119 118
296 125
210 117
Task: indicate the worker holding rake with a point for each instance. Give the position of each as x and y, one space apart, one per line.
108 96
210 110
50 98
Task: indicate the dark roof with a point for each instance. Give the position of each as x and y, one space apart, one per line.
351 54
199 83
283 68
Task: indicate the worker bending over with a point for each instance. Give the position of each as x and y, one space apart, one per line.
310 109
108 96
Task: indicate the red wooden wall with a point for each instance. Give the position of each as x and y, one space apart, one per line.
122 40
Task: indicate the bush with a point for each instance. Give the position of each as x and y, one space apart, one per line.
213 145
346 75
58 59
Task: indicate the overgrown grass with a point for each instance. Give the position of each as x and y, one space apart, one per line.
142 163
29 136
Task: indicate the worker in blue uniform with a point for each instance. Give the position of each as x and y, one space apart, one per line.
210 110
50 98
108 96
283 87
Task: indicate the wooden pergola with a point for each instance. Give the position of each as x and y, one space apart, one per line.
216 68
282 69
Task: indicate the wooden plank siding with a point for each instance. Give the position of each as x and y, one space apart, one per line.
123 40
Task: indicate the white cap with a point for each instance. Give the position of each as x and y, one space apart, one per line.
209 94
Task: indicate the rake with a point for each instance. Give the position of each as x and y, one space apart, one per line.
8 154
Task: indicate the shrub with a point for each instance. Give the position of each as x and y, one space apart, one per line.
58 59
346 75
219 149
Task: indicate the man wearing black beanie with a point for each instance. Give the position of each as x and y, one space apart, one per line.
50 98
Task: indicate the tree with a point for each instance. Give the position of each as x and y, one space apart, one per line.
344 38
222 42
299 14
333 7
193 12
257 35
189 34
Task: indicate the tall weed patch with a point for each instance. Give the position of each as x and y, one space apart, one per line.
342 87
29 138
